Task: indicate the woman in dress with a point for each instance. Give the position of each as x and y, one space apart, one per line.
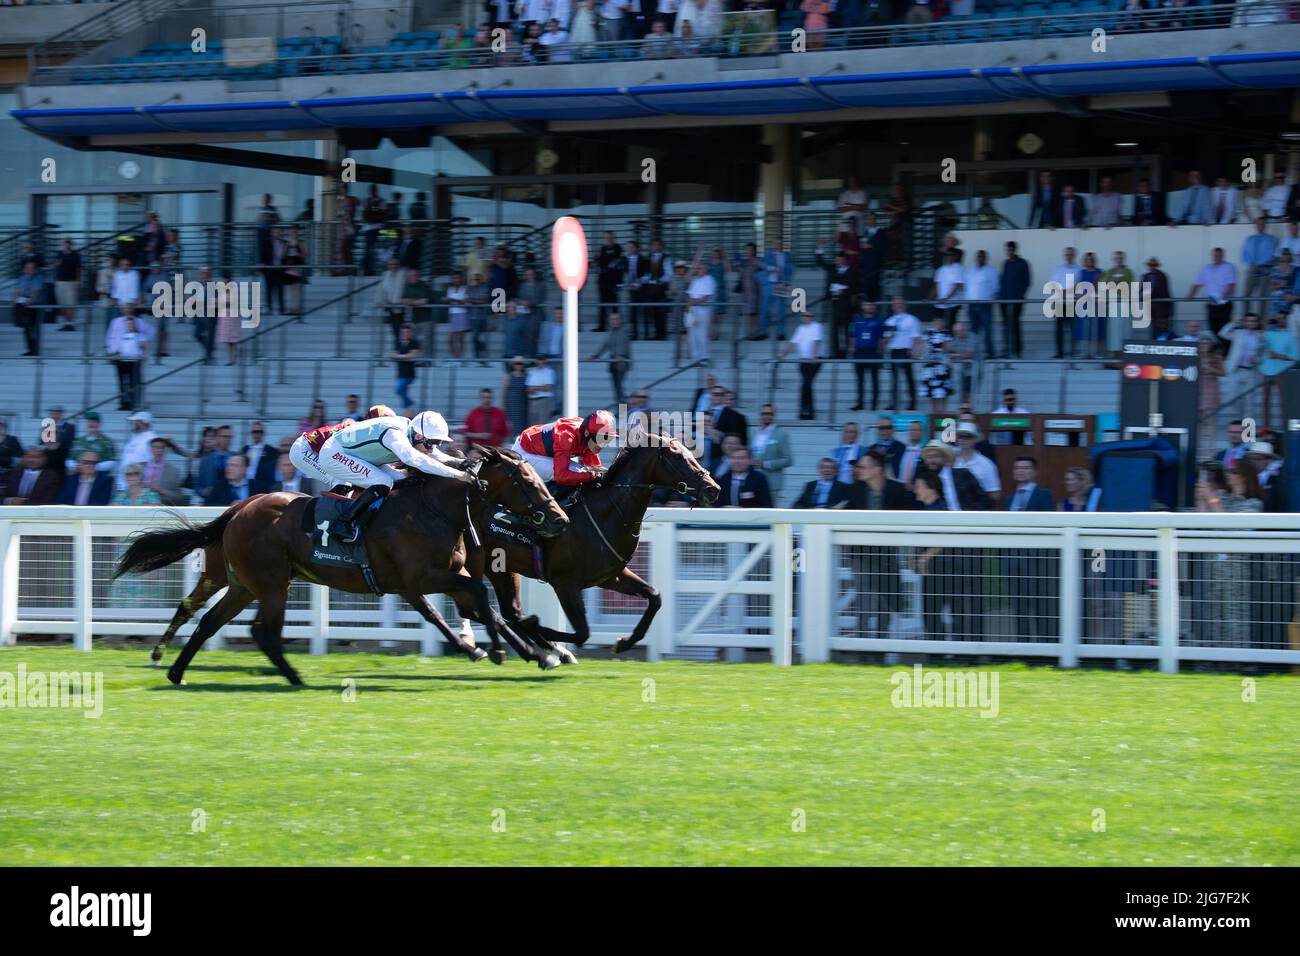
315 417
514 389
457 299
936 372
583 30
135 492
1234 490
228 317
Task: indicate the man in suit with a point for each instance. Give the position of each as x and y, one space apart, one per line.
888 445
659 270
1031 575
743 486
635 265
824 491
60 450
261 460
726 421
162 477
233 485
1197 210
1148 206
776 275
872 487
610 265
846 453
1046 204
1072 211
87 485
33 482
289 479
408 249
842 288
771 449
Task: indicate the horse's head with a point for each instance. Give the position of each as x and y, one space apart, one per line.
669 464
515 485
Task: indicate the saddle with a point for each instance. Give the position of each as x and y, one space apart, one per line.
327 550
507 528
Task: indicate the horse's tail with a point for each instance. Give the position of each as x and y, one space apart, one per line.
151 550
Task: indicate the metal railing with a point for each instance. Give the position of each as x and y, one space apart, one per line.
1217 589
733 45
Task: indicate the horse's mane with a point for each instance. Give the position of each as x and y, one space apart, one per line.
625 454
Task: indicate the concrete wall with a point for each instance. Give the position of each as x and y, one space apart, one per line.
32 24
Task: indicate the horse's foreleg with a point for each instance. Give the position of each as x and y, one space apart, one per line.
430 614
506 585
211 581
235 600
271 613
628 582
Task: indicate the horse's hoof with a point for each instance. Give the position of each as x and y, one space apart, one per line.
621 646
156 656
175 678
549 662
497 655
477 654
566 656
296 681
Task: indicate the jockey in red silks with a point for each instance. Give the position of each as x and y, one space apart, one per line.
551 448
305 450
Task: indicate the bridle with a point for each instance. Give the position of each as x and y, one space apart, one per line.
537 513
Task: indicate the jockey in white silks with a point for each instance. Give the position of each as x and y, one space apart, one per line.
363 454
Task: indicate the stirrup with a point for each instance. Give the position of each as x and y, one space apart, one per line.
349 531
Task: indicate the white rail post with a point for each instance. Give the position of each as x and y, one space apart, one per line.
82 587
1167 608
1071 609
663 577
9 546
816 592
782 594
320 619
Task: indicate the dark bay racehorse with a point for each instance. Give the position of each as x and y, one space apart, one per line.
594 550
258 546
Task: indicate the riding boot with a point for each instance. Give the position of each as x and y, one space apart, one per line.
349 523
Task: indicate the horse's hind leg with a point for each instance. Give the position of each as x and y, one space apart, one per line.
211 581
235 600
506 584
430 614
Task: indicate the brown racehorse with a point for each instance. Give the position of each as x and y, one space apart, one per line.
257 547
593 551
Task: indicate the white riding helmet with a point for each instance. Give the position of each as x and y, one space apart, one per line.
432 426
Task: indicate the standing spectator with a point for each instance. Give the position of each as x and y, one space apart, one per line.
293 259
67 284
456 297
136 450
852 204
842 290
618 346
417 296
1045 208
1257 255
1278 352
269 247
1219 280
486 424
404 356
1073 212
87 485
846 453
634 264
1211 370
1148 206
981 286
610 266
700 294
1225 202
902 332
550 341
614 20
419 208
815 22
260 458
824 491
744 487
1273 205
1066 276
517 333
314 419
1162 309
1089 323
871 256
532 297
29 298
33 482
962 351
867 335
1105 205
475 261
936 370
104 289
1197 208
541 391
717 269
388 296
162 477
515 389
771 449
1118 325
654 283
778 271
1031 576
10 449
127 344
749 268
807 342
948 289
228 328
1013 283
94 441
373 216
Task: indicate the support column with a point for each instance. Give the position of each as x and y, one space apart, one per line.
774 183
